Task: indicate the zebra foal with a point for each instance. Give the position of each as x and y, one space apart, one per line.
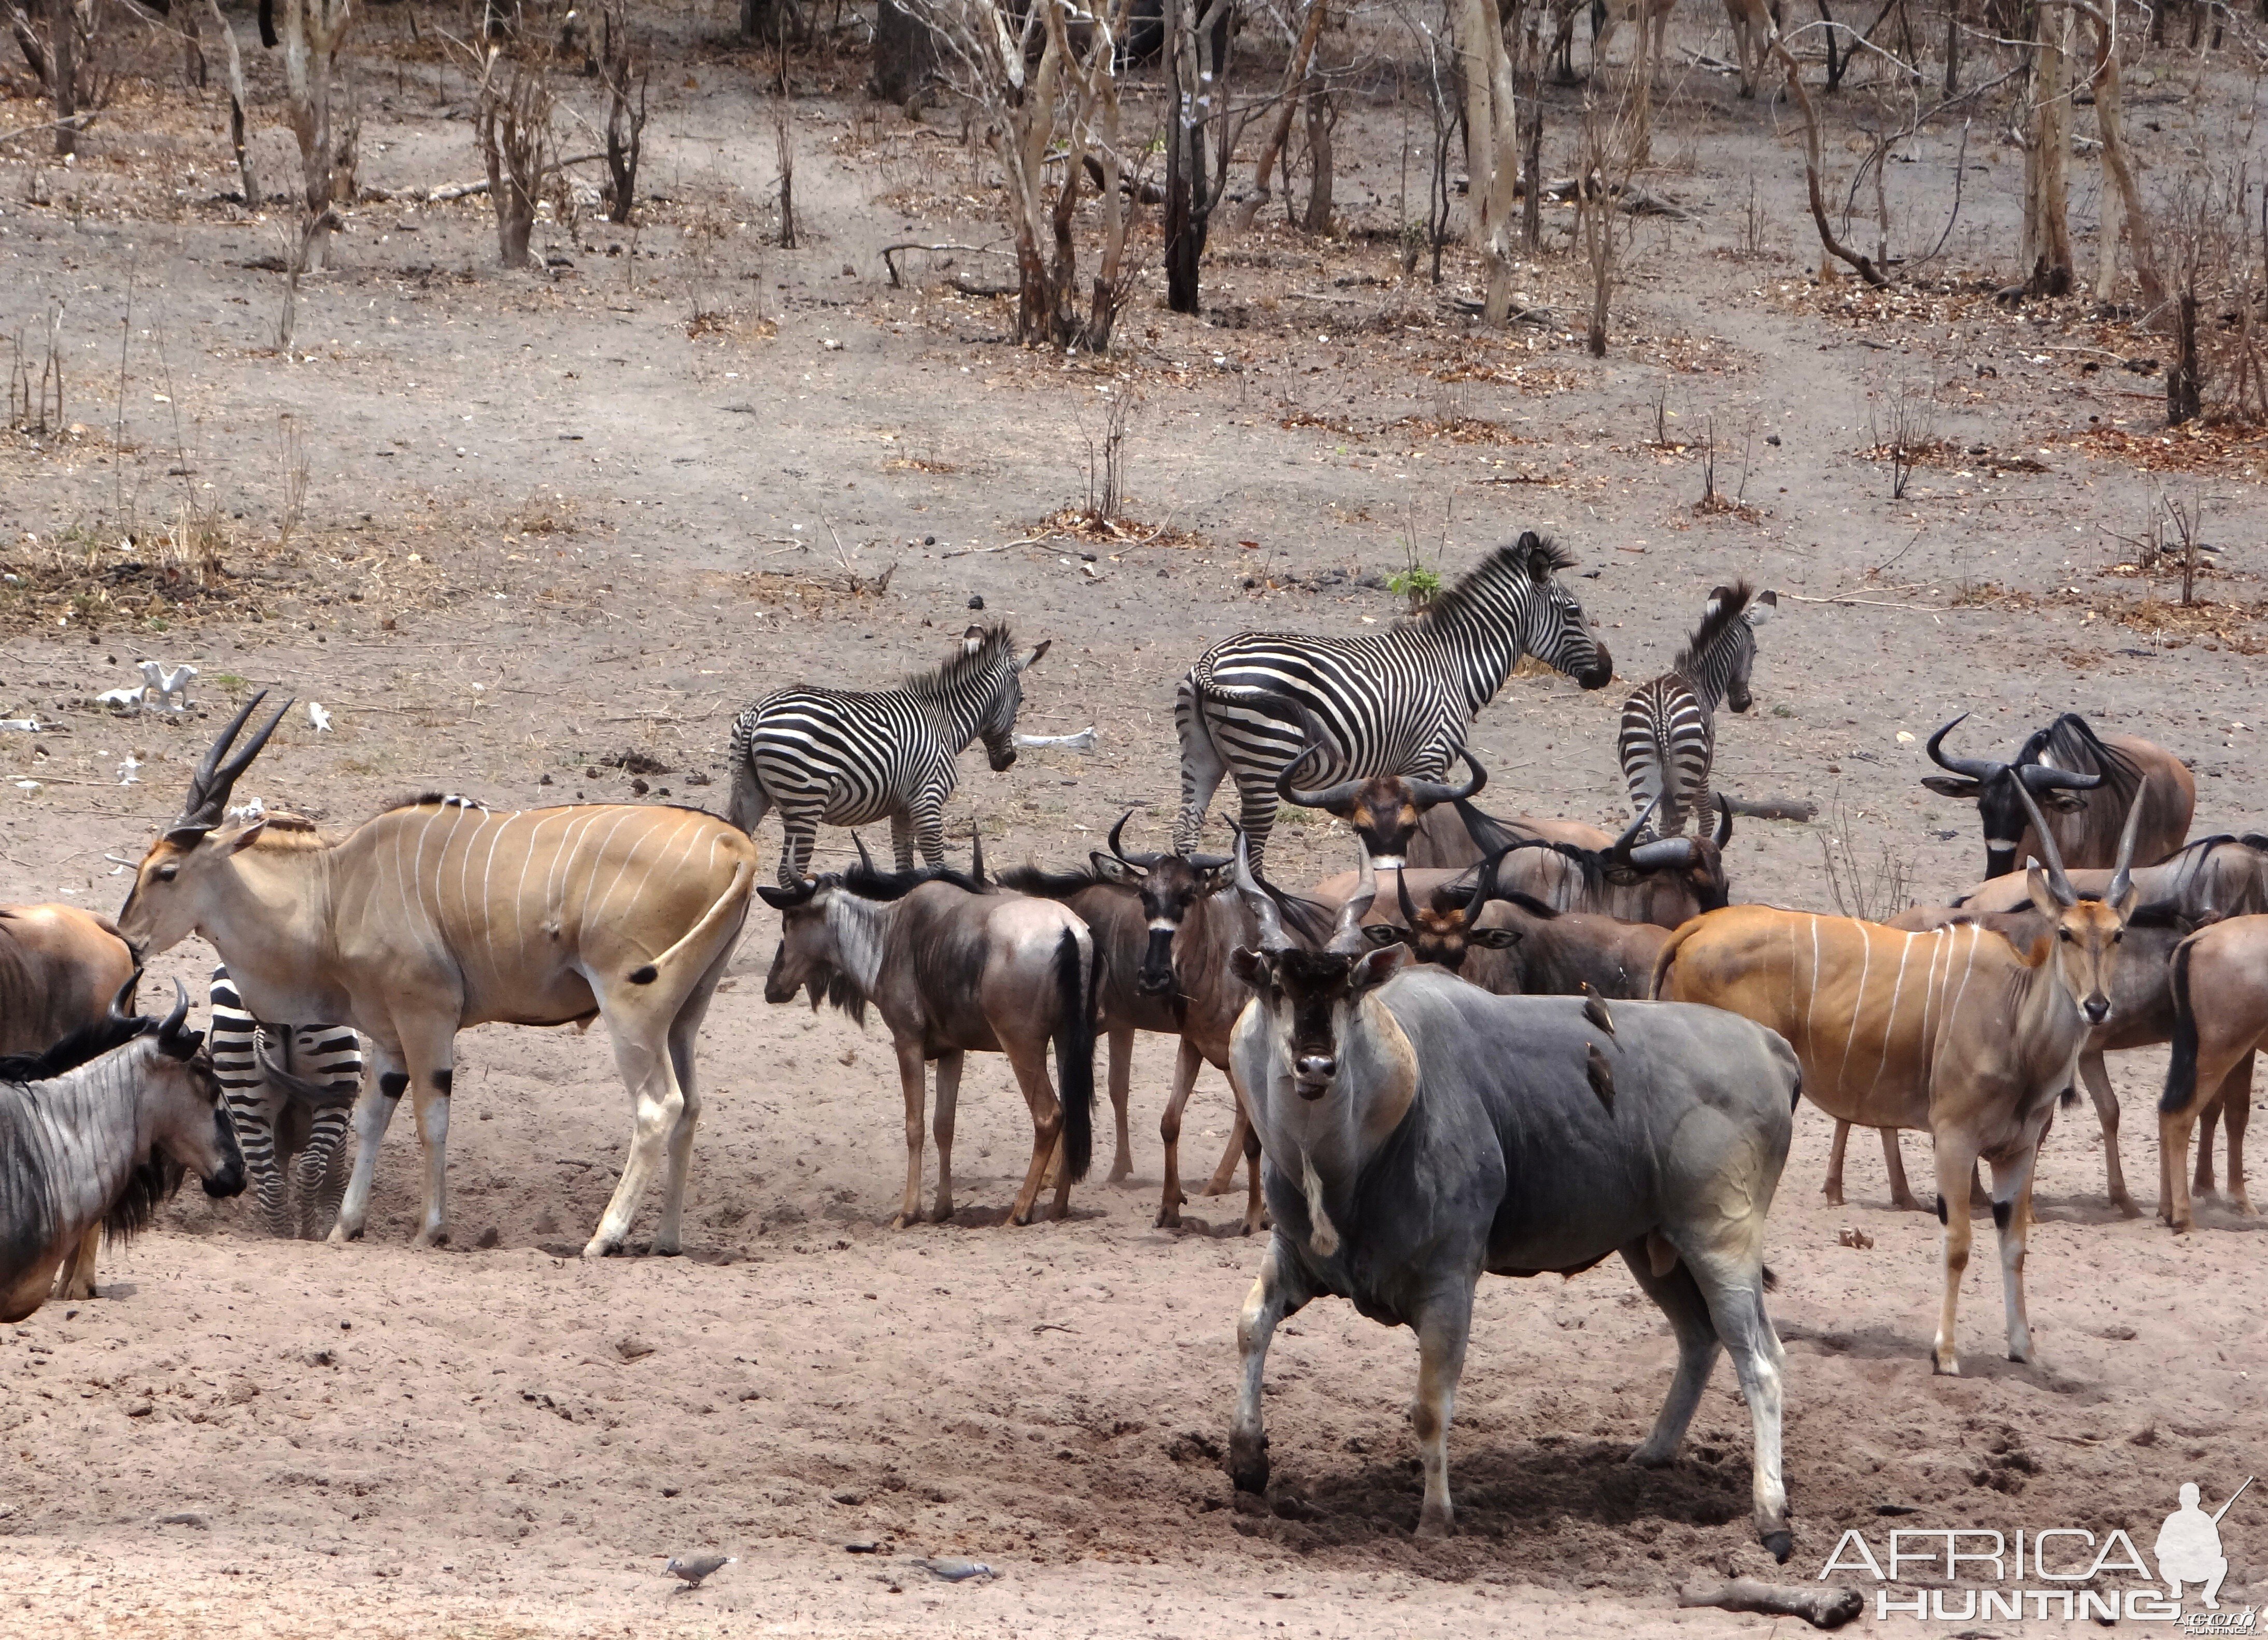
1670 729
1394 703
850 758
289 1143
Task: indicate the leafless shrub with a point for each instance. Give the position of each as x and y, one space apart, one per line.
1903 418
621 67
1869 888
68 47
1106 456
783 138
2215 249
1710 501
512 128
35 401
1610 150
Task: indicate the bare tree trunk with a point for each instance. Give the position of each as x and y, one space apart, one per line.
1280 129
1813 164
314 34
62 46
2184 392
1492 143
238 137
1952 46
905 53
1108 293
1531 160
1193 48
1318 99
2122 209
2047 161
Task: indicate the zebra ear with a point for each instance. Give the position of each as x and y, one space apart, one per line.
1762 607
1030 658
1716 597
972 640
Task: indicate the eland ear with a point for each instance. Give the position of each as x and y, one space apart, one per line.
1957 786
2045 900
1375 968
1030 658
249 835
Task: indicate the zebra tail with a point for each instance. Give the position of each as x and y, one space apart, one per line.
1075 977
748 803
2181 1069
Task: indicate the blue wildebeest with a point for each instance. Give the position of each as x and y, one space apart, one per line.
95 1133
2088 785
60 967
953 969
1419 1132
1573 867
1163 934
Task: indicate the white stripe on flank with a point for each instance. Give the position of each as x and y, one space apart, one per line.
1857 999
1953 1014
487 905
1811 1001
1890 1022
520 894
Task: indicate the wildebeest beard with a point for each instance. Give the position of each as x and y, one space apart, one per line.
831 985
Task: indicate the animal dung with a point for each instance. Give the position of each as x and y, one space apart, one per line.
1602 1075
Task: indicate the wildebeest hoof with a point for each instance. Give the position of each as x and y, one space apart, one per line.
2125 1206
1781 1543
431 1237
1247 1462
1650 1456
1169 1218
1434 1524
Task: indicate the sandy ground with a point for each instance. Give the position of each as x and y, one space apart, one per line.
545 525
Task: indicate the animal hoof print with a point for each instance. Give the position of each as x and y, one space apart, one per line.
1781 1543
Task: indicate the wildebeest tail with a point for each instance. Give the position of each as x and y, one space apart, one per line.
1076 973
2181 1069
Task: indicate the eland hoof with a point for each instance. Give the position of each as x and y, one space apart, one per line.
1436 1524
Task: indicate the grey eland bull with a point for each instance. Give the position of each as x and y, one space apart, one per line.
954 970
95 1134
441 913
1419 1132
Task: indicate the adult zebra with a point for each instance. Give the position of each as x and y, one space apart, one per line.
851 758
1395 702
1669 726
261 1067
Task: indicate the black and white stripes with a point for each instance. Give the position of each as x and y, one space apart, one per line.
1398 702
272 1129
1668 734
850 759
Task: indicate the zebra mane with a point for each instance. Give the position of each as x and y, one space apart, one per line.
1513 562
964 663
1724 613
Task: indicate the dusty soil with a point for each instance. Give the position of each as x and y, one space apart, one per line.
548 519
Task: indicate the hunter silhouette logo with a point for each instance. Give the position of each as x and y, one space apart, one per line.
2189 1546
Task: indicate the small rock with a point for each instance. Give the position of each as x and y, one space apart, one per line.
977 600
629 1346
140 1409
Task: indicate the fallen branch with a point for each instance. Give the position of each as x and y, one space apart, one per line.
891 251
1871 603
1772 808
1822 1608
469 190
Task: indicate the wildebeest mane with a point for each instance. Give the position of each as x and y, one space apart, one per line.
88 1042
869 884
1465 595
963 664
1529 903
2073 744
829 985
1714 625
1044 882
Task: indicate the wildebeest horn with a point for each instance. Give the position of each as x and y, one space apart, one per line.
1145 861
865 860
1258 901
787 898
2064 894
1401 893
2122 874
2047 777
1427 794
122 1005
1662 852
1621 848
1975 769
1724 821
977 857
172 1039
1346 938
1328 798
313 1094
215 778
